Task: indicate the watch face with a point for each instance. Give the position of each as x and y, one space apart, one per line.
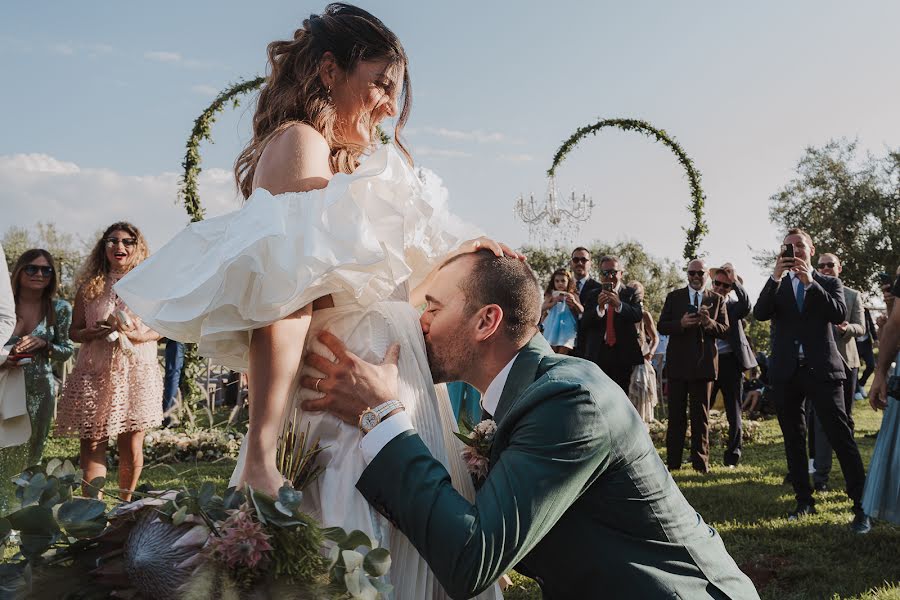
368 421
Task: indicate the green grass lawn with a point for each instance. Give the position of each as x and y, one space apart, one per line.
815 558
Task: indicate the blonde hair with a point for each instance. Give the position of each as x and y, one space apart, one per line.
294 93
92 277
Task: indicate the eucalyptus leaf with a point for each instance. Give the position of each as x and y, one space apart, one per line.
79 510
335 534
34 489
377 562
356 539
179 516
207 491
52 465
290 497
333 555
95 487
33 519
67 468
465 440
233 498
283 509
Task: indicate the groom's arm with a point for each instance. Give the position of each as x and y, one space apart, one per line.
556 450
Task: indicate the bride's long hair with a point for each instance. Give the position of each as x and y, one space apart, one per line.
293 91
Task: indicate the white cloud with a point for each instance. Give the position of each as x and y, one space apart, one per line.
516 157
205 90
440 152
81 200
163 56
476 135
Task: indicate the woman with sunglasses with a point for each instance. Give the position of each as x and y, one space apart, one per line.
40 336
115 388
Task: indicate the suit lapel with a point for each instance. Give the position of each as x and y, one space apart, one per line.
522 374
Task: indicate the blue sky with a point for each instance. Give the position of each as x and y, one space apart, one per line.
101 96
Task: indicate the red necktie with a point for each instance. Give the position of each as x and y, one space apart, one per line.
610 327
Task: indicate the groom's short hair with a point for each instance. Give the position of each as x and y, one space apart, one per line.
507 282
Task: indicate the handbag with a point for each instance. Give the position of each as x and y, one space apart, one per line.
15 424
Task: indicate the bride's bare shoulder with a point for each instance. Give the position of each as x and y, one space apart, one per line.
295 160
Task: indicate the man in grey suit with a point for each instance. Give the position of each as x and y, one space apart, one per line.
845 337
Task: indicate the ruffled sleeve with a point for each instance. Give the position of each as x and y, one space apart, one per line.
364 235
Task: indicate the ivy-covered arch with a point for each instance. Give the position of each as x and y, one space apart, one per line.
698 228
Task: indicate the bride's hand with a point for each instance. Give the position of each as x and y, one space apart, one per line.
485 243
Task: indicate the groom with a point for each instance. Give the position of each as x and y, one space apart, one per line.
576 496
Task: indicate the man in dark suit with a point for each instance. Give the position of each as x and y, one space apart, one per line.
586 287
575 496
806 366
610 322
693 317
735 355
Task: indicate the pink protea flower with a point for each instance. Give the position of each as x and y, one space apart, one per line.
243 542
475 462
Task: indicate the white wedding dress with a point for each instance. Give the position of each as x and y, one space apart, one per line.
365 239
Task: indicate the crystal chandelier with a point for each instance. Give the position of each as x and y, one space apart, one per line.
557 221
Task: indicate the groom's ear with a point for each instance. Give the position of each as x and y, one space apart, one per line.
488 321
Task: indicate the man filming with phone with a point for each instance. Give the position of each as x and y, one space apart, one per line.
611 314
693 317
805 366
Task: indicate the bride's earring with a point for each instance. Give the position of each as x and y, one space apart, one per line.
328 95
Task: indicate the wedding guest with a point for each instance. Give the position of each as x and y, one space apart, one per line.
115 387
693 317
585 286
735 356
609 320
174 366
845 334
865 345
806 368
13 423
881 497
42 334
642 390
561 309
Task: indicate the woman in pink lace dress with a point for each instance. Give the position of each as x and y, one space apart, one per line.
115 389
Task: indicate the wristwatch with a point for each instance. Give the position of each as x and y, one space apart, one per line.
373 416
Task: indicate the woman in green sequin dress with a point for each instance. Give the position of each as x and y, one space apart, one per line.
42 329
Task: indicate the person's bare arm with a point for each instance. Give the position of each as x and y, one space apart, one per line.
888 345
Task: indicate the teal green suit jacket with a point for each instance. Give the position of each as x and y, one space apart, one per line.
576 498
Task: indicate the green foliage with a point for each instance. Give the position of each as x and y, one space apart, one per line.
659 276
759 335
850 206
699 227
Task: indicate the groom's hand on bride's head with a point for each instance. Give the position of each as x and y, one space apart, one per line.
350 385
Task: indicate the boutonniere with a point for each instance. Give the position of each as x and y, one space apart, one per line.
477 452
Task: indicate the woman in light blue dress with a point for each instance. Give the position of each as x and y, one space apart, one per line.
881 496
560 305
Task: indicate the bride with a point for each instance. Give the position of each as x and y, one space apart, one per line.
335 232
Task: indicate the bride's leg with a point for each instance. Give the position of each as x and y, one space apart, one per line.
275 353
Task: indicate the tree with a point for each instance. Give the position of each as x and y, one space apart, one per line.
67 252
850 206
659 276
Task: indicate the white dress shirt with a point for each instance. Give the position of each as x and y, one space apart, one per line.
374 442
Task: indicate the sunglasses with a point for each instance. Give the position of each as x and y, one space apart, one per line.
830 265
32 270
580 259
722 284
608 272
113 242
696 273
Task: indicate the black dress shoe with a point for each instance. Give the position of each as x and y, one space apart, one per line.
861 524
821 486
801 511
